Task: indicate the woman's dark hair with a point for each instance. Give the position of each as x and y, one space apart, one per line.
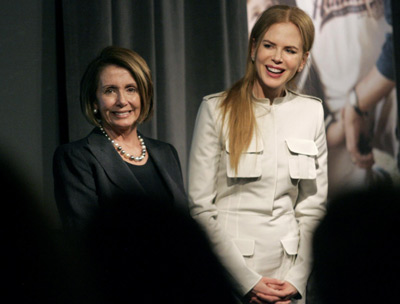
124 58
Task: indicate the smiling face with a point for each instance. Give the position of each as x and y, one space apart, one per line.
118 99
278 58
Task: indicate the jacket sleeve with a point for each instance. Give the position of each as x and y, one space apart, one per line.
74 187
203 167
178 170
310 209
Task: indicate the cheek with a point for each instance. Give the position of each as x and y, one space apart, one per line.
294 63
105 102
261 55
137 102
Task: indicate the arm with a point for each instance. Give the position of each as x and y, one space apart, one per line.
74 187
203 166
368 92
309 210
334 127
335 135
372 88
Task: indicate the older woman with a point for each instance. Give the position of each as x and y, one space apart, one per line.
257 170
114 160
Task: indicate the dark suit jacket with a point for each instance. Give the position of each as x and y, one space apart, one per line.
89 174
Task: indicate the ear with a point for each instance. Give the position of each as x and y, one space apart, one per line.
303 62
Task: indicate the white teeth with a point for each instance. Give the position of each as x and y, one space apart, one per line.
121 113
274 70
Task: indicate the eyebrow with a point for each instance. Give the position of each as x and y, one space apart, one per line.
115 86
288 46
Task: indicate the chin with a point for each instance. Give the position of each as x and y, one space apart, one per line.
122 126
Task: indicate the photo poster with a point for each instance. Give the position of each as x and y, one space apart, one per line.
352 52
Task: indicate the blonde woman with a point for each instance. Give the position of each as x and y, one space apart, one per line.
258 164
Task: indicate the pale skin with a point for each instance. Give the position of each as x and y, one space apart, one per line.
277 59
269 290
118 102
335 133
370 90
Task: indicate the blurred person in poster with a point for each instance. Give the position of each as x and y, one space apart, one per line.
378 83
348 42
258 164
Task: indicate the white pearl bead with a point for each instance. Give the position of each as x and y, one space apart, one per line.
123 152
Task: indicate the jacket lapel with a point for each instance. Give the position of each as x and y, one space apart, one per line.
111 161
120 174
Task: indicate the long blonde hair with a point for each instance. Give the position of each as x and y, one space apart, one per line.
237 104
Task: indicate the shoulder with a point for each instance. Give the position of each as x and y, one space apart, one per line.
211 105
215 96
213 100
305 97
73 149
209 115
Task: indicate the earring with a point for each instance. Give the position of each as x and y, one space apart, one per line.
252 58
95 111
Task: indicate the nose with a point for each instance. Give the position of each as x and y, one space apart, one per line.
277 58
121 100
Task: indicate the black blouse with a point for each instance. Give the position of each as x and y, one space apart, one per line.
152 182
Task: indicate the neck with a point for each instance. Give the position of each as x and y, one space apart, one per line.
122 135
266 92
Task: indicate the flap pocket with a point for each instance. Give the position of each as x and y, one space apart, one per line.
249 162
291 245
245 246
302 146
302 158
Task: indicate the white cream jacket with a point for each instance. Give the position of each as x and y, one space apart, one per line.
265 215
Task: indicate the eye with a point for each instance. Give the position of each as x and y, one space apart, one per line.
109 90
132 89
267 45
291 51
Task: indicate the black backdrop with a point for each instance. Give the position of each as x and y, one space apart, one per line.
194 48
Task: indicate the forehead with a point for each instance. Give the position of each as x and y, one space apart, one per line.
112 73
284 34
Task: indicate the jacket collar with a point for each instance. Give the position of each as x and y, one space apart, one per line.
114 166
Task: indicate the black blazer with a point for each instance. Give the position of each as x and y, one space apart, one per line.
89 174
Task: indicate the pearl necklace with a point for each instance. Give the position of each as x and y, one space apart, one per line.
123 152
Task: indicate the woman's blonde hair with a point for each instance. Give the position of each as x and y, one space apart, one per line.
125 58
237 104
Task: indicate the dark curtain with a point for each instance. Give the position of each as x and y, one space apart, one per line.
194 48
396 49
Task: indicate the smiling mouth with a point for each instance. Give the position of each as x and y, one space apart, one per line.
274 70
122 114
